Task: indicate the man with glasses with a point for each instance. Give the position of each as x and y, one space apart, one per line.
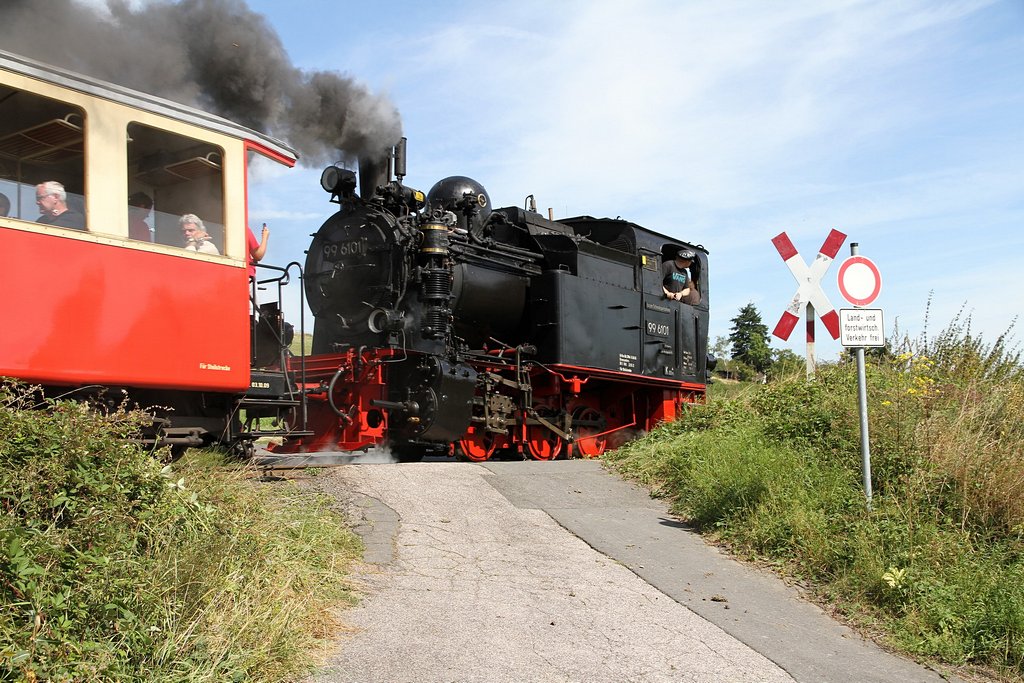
53 207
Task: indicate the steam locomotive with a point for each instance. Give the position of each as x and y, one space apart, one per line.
446 326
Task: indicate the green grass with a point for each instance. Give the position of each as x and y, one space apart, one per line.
115 568
725 388
296 345
937 564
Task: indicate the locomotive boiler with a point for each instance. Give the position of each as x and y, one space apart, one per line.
444 325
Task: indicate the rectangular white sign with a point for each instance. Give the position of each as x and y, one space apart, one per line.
861 327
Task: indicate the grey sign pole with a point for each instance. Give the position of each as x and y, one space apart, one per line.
862 400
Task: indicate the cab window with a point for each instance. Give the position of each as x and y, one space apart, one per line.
171 176
41 140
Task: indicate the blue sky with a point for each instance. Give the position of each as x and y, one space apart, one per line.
722 123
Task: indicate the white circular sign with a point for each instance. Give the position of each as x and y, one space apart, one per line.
859 280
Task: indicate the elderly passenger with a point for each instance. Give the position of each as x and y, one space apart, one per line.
196 237
53 207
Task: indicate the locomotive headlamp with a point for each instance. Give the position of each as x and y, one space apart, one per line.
338 181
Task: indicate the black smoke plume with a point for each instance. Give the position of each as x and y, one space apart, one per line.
217 55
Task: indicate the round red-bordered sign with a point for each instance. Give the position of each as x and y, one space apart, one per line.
859 280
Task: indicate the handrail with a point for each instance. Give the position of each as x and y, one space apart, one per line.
282 280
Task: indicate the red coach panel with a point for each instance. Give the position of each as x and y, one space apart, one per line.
82 312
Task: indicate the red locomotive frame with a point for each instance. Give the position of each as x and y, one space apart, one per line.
606 408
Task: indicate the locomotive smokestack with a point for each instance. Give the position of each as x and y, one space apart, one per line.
399 158
372 173
217 55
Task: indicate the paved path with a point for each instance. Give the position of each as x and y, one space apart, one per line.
562 572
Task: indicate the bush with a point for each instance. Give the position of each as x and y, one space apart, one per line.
795 410
114 568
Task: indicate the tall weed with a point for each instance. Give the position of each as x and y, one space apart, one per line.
114 568
938 561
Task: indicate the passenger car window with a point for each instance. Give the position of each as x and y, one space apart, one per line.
41 140
175 175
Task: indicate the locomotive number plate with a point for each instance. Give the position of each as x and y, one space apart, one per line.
335 250
657 329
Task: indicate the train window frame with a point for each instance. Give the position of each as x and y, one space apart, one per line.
180 174
42 138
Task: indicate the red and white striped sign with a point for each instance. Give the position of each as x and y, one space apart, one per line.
809 289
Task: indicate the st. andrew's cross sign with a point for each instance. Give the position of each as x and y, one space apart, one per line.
809 292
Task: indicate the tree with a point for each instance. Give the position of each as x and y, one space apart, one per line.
786 363
749 338
720 348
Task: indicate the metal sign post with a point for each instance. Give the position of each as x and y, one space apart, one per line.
860 283
865 443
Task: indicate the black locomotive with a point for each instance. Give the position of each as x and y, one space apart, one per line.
445 325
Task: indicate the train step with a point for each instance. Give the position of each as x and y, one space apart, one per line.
265 402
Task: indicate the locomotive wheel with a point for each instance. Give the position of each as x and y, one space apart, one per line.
478 446
541 442
587 422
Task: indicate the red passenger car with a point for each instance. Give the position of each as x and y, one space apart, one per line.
121 303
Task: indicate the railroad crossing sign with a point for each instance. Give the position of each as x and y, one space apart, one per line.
859 280
809 290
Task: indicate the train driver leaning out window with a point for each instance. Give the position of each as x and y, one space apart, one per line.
53 207
675 275
196 237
